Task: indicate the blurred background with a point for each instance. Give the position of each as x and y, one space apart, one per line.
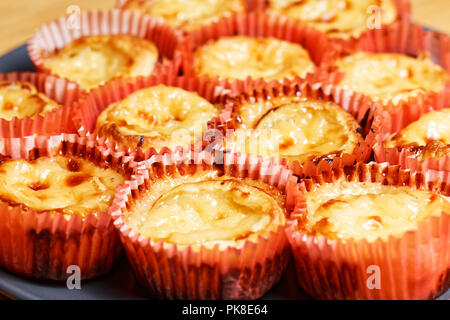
20 18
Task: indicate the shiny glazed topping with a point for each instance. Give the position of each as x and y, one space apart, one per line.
21 99
207 209
296 129
187 14
391 77
68 185
337 18
240 57
159 116
94 60
346 210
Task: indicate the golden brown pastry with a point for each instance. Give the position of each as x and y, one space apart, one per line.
207 209
295 128
159 116
428 137
21 99
63 184
93 60
239 57
356 210
390 77
337 18
187 14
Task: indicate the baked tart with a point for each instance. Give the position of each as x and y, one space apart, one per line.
337 18
428 137
240 57
102 45
187 14
371 231
205 216
156 117
206 209
390 77
294 128
33 103
22 99
65 185
93 60
54 203
367 210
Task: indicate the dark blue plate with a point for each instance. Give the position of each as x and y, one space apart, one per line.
120 282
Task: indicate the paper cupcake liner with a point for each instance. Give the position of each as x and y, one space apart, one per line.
100 98
359 106
389 122
59 33
188 272
413 266
255 24
43 244
57 121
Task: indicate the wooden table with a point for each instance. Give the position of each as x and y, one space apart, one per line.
20 18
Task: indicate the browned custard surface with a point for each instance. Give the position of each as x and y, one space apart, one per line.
207 209
68 185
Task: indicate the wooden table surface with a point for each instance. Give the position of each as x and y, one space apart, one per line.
20 18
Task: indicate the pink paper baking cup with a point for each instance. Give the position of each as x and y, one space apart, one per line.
359 106
54 36
391 121
172 272
44 244
413 266
255 24
57 121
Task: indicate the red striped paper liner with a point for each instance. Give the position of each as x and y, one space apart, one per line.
413 266
44 244
57 34
57 121
198 272
255 24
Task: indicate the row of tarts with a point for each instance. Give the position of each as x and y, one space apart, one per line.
100 151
